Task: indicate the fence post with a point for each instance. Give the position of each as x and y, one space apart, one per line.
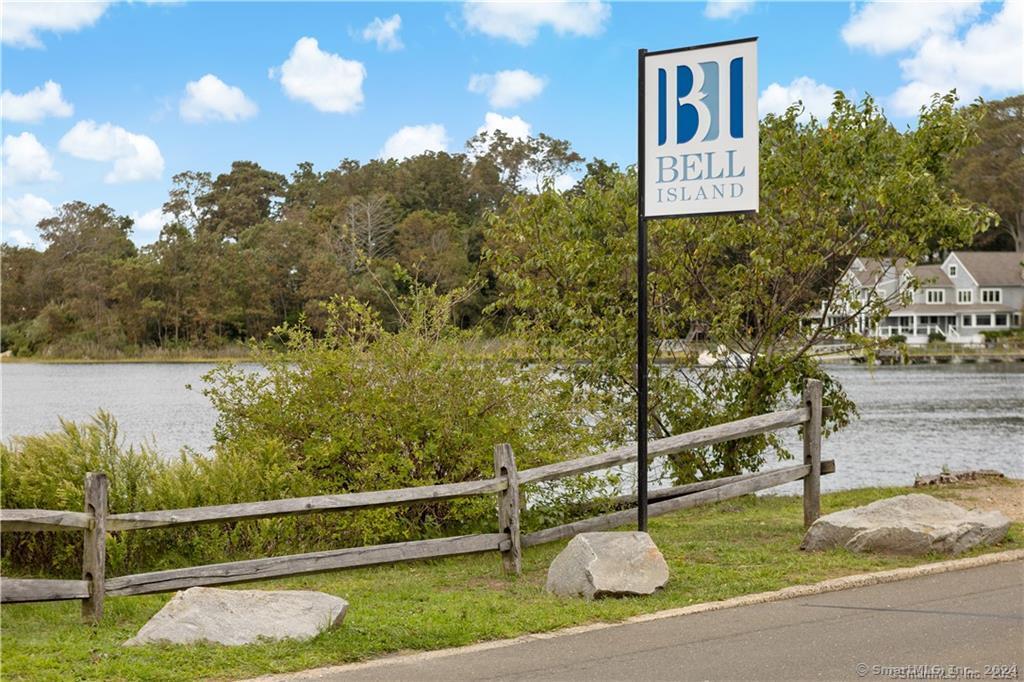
812 451
508 507
94 553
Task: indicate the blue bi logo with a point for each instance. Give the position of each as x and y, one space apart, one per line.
701 106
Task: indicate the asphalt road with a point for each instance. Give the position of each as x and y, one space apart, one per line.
966 624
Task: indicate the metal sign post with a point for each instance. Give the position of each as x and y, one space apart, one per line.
641 316
702 160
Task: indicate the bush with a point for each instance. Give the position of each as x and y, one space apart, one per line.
363 409
936 337
1004 335
358 409
47 472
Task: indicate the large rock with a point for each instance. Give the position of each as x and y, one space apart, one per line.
908 524
204 614
607 564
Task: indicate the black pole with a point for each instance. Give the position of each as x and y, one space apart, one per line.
641 318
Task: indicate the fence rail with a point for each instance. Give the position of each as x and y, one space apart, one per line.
43 519
95 522
301 505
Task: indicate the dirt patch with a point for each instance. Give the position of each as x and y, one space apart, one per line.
1004 495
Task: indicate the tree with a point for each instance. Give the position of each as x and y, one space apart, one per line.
432 247
365 231
85 247
523 163
241 198
437 182
23 292
186 201
766 288
992 171
601 172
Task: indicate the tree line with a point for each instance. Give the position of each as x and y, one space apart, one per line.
250 249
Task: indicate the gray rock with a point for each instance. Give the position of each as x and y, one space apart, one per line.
204 614
908 524
607 564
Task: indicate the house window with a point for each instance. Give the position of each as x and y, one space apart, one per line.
964 296
952 271
982 320
1001 319
935 295
991 295
966 322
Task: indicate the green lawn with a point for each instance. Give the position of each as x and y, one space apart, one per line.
733 548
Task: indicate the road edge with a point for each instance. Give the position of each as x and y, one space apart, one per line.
792 592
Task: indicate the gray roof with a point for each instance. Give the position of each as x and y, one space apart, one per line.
932 276
993 268
876 270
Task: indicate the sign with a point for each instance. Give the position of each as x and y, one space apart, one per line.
697 154
699 136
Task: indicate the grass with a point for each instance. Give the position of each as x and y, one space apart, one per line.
732 548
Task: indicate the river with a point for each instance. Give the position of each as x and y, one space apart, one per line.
914 420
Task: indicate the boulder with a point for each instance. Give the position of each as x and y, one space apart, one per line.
204 614
908 524
596 565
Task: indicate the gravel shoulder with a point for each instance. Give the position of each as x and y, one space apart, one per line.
991 494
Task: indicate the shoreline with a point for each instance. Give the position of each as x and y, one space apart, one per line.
922 358
183 360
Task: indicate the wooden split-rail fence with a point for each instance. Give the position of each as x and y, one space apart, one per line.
95 521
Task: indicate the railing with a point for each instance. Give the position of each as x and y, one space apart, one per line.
95 522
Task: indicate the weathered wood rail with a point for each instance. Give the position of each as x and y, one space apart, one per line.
95 522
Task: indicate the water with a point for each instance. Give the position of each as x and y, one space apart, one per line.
151 401
921 418
914 420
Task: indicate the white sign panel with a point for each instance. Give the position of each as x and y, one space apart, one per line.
700 137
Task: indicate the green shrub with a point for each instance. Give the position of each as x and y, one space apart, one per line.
358 409
47 472
362 408
1012 335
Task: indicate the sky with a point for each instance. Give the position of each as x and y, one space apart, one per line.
106 102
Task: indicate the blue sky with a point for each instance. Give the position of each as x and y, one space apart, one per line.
106 102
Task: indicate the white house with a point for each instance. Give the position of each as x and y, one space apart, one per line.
970 292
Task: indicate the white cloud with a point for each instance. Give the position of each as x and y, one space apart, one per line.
513 126
816 97
35 105
885 27
211 99
19 238
507 88
414 140
151 221
564 182
135 157
26 160
20 216
384 32
950 45
985 61
325 80
727 9
520 22
22 20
